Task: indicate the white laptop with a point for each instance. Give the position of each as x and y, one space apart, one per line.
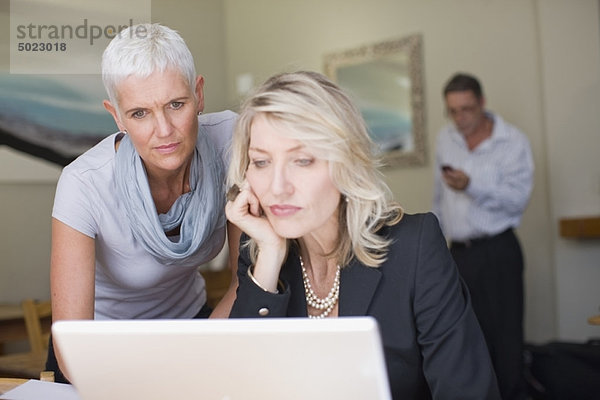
228 359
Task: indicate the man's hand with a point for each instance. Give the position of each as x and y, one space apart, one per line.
456 179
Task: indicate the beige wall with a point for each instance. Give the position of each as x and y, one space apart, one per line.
570 71
523 51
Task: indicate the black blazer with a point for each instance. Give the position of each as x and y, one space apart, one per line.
432 342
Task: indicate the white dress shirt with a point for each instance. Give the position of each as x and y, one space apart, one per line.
500 171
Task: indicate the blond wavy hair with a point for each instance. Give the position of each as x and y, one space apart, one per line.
316 112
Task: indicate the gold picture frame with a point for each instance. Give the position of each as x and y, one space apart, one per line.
386 81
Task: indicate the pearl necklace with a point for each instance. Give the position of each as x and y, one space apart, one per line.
328 303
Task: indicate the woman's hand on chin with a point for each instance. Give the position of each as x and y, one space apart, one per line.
245 212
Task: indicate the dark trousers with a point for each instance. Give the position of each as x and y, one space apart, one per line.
52 363
492 268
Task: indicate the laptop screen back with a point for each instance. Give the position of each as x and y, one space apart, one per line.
231 359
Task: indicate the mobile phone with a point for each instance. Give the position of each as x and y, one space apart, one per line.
447 168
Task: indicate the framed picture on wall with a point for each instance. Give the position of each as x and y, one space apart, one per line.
386 81
53 117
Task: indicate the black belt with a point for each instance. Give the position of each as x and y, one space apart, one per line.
477 241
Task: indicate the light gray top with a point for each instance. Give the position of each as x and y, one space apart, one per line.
130 282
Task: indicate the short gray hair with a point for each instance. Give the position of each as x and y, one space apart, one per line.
142 49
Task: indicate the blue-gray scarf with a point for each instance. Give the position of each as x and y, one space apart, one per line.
198 213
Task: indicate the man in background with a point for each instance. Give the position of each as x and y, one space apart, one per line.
483 181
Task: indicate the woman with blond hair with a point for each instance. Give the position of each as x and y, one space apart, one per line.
324 239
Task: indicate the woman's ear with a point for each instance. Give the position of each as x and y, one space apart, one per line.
115 114
199 90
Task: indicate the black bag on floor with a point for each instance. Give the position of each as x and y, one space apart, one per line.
560 370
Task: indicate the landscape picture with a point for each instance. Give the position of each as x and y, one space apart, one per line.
53 117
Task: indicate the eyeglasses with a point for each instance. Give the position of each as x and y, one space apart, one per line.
453 112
